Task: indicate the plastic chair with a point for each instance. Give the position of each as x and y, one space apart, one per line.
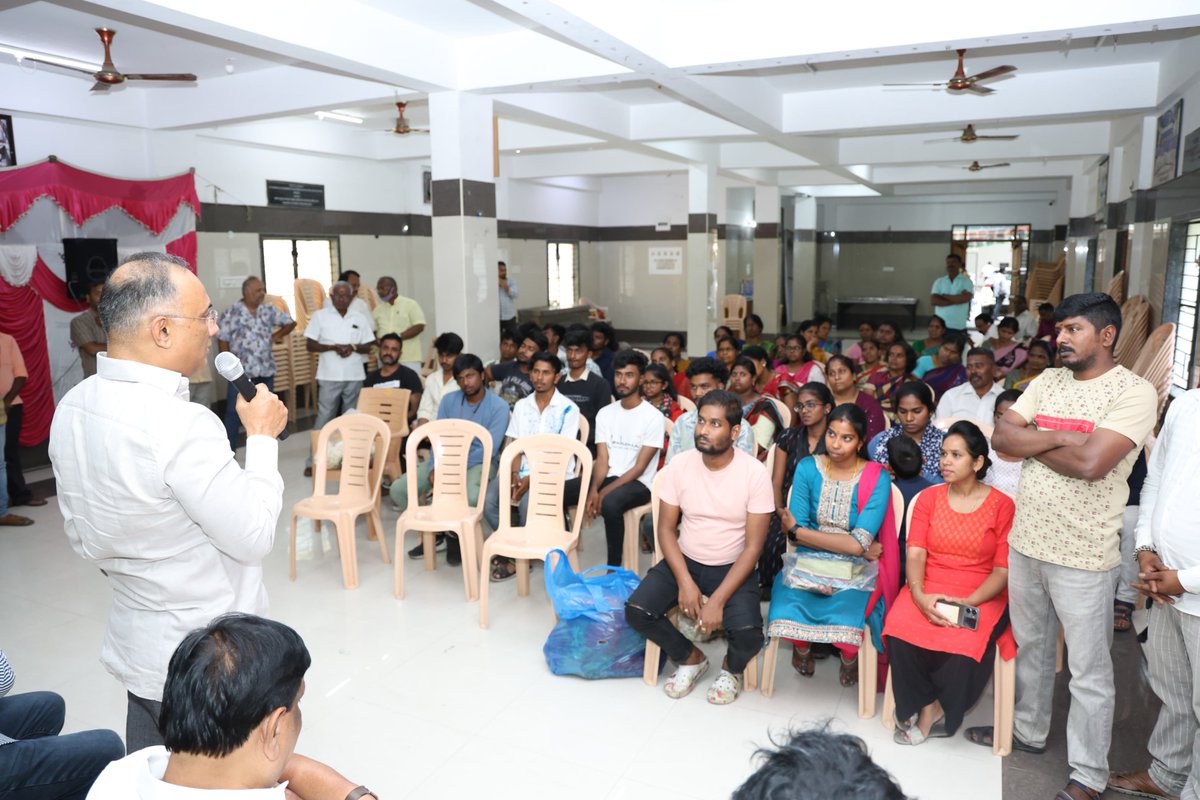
631 555
653 651
450 442
358 489
391 406
733 311
686 403
785 413
548 455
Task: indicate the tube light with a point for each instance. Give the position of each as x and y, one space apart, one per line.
20 54
340 117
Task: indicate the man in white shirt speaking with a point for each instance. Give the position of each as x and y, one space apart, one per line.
148 487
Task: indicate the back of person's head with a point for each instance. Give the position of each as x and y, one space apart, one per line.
527 328
1096 307
727 401
628 358
708 366
983 316
977 443
143 284
904 457
819 765
1046 307
755 352
550 359
1007 397
610 334
577 338
226 678
467 361
917 389
448 344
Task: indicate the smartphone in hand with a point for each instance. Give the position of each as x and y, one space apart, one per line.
962 615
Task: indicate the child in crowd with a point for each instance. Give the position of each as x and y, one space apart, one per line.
866 333
905 463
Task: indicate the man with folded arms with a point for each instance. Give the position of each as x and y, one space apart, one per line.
714 505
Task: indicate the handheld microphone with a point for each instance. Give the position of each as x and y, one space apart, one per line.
230 367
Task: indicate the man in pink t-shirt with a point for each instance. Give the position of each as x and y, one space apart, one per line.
714 504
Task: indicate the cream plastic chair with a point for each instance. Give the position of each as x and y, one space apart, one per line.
1004 685
584 429
450 443
632 544
785 413
358 489
391 406
653 651
686 403
733 312
548 455
868 657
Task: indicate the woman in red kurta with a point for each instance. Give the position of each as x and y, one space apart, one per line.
957 552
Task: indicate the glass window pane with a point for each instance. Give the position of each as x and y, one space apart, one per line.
279 271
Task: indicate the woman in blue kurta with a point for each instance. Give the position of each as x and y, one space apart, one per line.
840 505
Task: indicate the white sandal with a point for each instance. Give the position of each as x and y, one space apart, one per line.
681 683
724 690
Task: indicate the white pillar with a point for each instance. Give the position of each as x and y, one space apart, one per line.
702 283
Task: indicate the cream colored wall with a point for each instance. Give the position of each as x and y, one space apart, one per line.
767 299
635 299
847 270
526 259
408 259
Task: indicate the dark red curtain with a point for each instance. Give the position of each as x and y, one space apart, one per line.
23 318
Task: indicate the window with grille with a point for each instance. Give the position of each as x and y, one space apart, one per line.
1189 298
562 274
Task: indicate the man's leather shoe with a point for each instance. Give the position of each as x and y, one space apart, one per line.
1136 783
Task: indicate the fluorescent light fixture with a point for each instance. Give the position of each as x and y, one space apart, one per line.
340 117
20 54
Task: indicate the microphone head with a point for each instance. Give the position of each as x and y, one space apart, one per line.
229 365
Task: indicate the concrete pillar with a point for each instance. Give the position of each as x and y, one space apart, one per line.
804 259
702 282
767 258
466 295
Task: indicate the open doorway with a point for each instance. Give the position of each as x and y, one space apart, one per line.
996 258
285 259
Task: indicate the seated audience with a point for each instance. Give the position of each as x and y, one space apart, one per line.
824 327
554 334
1026 321
35 761
508 347
901 361
230 721
754 327
1005 470
705 375
663 355
930 344
583 387
514 376
943 370
808 330
604 349
1008 351
871 364
1038 357
394 375
914 419
544 411
798 367
777 353
866 333
819 765
839 374
728 350
440 382
975 399
805 437
474 403
763 374
759 411
714 503
1046 328
658 389
629 434
721 332
905 463
957 554
674 343
886 334
983 330
823 594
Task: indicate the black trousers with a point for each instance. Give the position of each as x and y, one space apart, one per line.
920 676
613 508
18 492
647 608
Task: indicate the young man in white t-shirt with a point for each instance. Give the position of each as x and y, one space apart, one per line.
714 505
629 434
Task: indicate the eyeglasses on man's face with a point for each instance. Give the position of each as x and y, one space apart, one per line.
208 316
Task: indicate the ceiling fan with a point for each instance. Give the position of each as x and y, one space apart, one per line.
969 135
976 166
402 127
961 81
108 76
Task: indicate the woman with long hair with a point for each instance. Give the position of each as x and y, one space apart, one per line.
844 571
1038 358
914 419
887 333
936 330
957 557
839 374
659 391
762 366
728 349
1010 353
944 370
664 356
757 410
870 364
901 361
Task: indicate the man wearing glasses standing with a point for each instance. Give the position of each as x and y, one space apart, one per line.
149 490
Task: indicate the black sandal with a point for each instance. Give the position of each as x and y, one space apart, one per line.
1065 793
984 735
1122 616
503 569
802 662
848 671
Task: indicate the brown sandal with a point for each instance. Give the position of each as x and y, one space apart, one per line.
802 661
1122 615
848 671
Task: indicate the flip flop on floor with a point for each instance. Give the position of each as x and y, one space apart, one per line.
503 569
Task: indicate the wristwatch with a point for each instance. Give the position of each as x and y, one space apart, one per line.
359 792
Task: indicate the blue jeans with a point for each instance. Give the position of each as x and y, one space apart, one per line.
232 422
43 765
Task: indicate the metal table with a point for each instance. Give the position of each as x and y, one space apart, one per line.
908 302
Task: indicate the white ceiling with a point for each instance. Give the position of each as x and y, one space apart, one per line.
773 91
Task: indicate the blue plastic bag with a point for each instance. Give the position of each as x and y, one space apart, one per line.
577 594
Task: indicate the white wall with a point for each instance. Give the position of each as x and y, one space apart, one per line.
526 201
934 213
644 200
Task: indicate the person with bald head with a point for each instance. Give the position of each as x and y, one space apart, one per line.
248 329
149 490
402 316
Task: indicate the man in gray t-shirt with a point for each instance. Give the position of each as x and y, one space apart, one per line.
87 333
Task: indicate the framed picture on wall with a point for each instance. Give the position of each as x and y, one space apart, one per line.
8 145
1166 144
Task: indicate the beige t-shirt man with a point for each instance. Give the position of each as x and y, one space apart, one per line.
1070 521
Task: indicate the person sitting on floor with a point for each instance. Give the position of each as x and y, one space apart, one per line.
840 518
914 419
35 761
629 434
473 403
440 382
230 721
714 503
545 411
818 765
957 555
394 375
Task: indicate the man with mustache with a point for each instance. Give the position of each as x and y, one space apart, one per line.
976 398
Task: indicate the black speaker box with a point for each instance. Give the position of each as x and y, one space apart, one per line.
88 260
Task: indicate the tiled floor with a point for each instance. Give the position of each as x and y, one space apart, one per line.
412 698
